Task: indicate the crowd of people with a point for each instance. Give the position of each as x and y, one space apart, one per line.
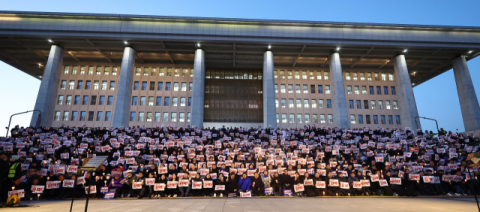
45 163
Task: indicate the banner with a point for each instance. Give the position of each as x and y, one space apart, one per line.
37 189
219 187
207 184
197 184
159 187
68 183
299 188
320 184
53 184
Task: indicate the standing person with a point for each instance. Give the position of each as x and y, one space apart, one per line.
244 183
232 184
276 184
257 185
220 181
143 190
286 180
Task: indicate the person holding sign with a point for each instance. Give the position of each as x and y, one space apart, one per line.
173 189
116 184
297 180
222 182
195 190
257 185
184 185
207 190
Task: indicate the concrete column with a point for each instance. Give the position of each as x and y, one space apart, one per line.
466 94
123 99
198 93
269 110
47 94
339 101
406 99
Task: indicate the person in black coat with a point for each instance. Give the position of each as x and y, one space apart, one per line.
220 181
257 185
276 184
232 184
286 180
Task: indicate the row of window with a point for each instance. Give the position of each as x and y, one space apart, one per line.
168 86
84 101
83 116
159 117
306 103
88 83
233 74
147 71
319 89
157 101
303 74
305 118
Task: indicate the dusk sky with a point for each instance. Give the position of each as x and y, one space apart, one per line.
436 98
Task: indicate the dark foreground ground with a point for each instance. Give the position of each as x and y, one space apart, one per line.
287 204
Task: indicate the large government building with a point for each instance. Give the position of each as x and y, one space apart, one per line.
109 70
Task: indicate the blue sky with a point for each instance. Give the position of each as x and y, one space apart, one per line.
436 98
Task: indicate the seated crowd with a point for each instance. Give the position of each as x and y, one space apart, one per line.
45 163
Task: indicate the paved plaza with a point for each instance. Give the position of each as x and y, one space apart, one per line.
357 204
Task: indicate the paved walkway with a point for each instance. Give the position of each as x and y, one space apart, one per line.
357 204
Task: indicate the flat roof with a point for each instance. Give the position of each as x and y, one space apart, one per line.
231 42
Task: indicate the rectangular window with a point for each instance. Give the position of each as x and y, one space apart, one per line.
114 70
311 74
190 86
365 104
60 100
144 85
284 118
74 116
135 85
174 117
166 102
320 89
312 88
149 116
290 88
359 104
379 90
79 84
90 70
307 118
145 71
85 100
375 75
350 104
347 76
305 88
167 86
138 71
65 69
327 89
99 115
141 116
174 101
82 115
306 103
367 117
314 118
284 103
390 119
297 88
371 90
276 88
326 75
372 103
106 71
384 77
369 76
57 116
82 69
314 103
157 117
390 77
152 85
380 104
395 105
177 74
159 86
159 101
322 118
188 114
182 102
304 74
362 76
349 89
354 74
175 86
385 90
189 101
277 117
375 119
357 89
319 75
181 117
393 90
87 85
71 85
63 85
93 101
291 118
276 103
297 75
150 101
387 104
104 85
77 100
329 103
98 70
364 89
320 103
69 100
96 83
102 100
161 72
108 114
299 103
65 115
352 119
360 119
382 119
282 74
282 88
142 100
112 85
132 116
91 115
110 100
330 118
134 100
